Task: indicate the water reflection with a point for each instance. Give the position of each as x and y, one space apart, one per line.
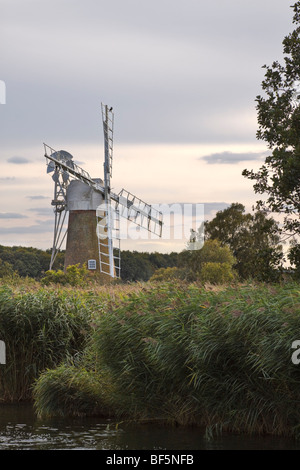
20 429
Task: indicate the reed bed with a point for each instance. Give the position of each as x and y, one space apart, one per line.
194 356
40 329
43 326
72 390
218 357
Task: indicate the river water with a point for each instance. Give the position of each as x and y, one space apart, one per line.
20 429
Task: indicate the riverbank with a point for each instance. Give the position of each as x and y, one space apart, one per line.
219 358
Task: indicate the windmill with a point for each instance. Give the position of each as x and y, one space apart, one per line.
93 233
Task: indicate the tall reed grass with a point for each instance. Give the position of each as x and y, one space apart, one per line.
40 329
219 358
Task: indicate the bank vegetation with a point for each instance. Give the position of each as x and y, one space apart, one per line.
184 353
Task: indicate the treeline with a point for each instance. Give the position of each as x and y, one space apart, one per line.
137 266
34 263
27 261
237 245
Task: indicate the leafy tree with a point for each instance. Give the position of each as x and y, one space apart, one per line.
6 269
217 273
192 262
294 258
167 274
252 238
279 125
228 225
74 276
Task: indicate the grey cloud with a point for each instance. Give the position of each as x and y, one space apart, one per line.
169 76
38 197
7 178
209 207
42 211
41 227
231 157
11 215
18 160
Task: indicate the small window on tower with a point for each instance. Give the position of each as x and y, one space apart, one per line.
92 264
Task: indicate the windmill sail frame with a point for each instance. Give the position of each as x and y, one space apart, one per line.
109 250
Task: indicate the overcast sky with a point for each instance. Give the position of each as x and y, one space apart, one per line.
181 75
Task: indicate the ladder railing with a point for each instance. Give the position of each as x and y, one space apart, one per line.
108 233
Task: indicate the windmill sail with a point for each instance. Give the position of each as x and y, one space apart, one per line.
108 128
61 181
109 243
139 212
54 160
